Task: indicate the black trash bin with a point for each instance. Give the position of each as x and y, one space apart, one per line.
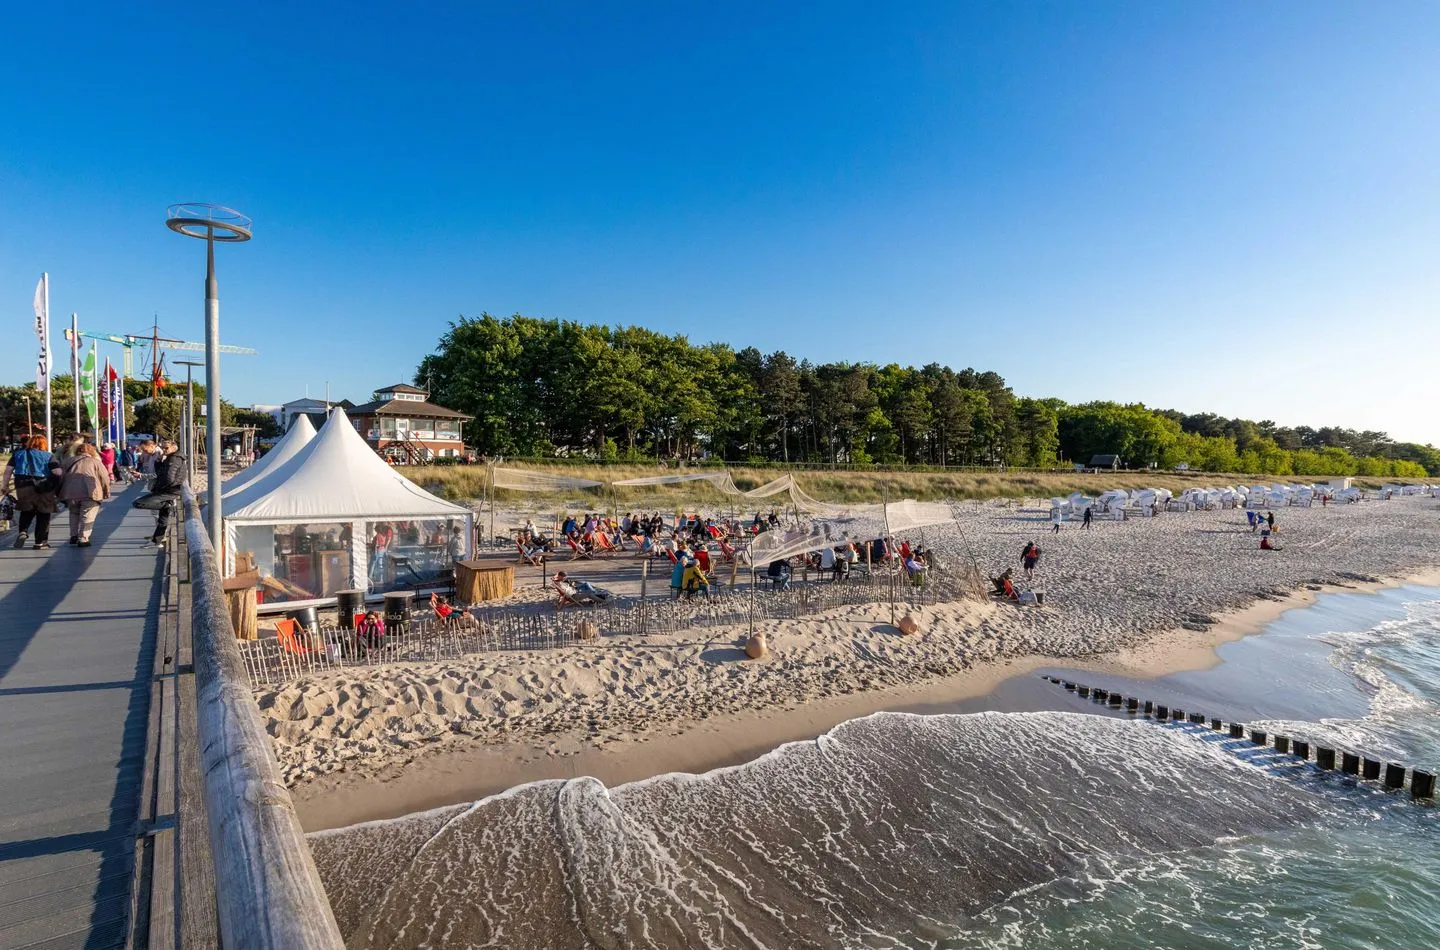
397 608
306 617
348 603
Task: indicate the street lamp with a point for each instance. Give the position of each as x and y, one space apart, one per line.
211 223
187 418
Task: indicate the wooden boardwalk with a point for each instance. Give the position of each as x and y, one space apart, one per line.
78 633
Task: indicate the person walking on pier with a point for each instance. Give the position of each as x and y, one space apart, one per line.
85 485
35 474
170 478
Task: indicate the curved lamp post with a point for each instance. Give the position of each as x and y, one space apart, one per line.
211 223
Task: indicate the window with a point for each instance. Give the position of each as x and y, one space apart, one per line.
299 562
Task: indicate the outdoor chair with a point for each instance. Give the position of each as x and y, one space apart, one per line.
779 574
287 632
535 557
578 553
568 595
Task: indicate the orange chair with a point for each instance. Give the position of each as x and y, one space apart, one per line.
287 631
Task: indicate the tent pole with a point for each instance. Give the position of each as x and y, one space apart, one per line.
752 601
890 552
490 484
644 608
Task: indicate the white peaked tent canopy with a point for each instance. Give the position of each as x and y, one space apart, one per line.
336 485
335 477
300 434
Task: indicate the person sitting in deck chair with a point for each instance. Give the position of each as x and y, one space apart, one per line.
529 554
369 632
449 614
1002 584
577 592
779 573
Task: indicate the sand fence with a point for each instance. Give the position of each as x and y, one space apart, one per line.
487 628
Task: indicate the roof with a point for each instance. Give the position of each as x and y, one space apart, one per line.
402 388
406 407
315 405
1100 461
300 434
334 477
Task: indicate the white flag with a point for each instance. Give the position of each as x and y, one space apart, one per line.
42 333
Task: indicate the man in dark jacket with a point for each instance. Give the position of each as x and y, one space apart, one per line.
170 477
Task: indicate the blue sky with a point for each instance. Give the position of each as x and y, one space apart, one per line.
1200 206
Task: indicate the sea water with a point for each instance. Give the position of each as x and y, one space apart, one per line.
1048 829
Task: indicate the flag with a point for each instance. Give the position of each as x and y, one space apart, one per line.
42 332
87 380
112 393
104 388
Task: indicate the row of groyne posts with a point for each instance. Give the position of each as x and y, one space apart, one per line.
1390 775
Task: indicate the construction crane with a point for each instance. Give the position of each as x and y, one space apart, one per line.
156 342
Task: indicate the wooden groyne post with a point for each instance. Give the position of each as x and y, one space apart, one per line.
1422 783
268 893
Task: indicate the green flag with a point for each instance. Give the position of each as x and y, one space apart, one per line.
87 380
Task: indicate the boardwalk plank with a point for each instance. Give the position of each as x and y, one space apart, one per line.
76 655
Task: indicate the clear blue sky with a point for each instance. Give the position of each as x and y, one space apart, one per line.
1195 205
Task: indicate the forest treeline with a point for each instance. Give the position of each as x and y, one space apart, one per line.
545 387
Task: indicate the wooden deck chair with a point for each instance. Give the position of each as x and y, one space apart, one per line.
449 615
287 632
577 553
568 595
533 556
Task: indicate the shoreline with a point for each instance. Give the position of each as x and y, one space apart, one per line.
451 775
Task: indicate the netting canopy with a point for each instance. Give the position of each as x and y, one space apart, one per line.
720 480
514 479
856 523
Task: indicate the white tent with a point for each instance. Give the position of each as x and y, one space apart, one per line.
300 434
335 516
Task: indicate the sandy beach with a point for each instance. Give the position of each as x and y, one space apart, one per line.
1141 597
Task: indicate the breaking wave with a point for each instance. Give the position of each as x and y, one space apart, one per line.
889 831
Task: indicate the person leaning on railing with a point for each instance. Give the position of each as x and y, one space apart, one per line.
170 478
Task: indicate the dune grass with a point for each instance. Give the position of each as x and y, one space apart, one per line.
467 483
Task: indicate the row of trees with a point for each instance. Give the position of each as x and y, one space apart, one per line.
544 387
159 417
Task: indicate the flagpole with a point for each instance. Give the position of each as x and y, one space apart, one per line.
95 388
75 364
49 434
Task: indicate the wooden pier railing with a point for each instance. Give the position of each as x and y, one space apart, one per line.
233 867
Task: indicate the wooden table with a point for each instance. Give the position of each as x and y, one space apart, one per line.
479 581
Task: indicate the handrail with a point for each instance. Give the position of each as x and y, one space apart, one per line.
267 891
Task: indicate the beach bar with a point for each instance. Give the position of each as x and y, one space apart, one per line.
332 515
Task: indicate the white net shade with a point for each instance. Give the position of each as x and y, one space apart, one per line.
857 523
720 480
514 479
